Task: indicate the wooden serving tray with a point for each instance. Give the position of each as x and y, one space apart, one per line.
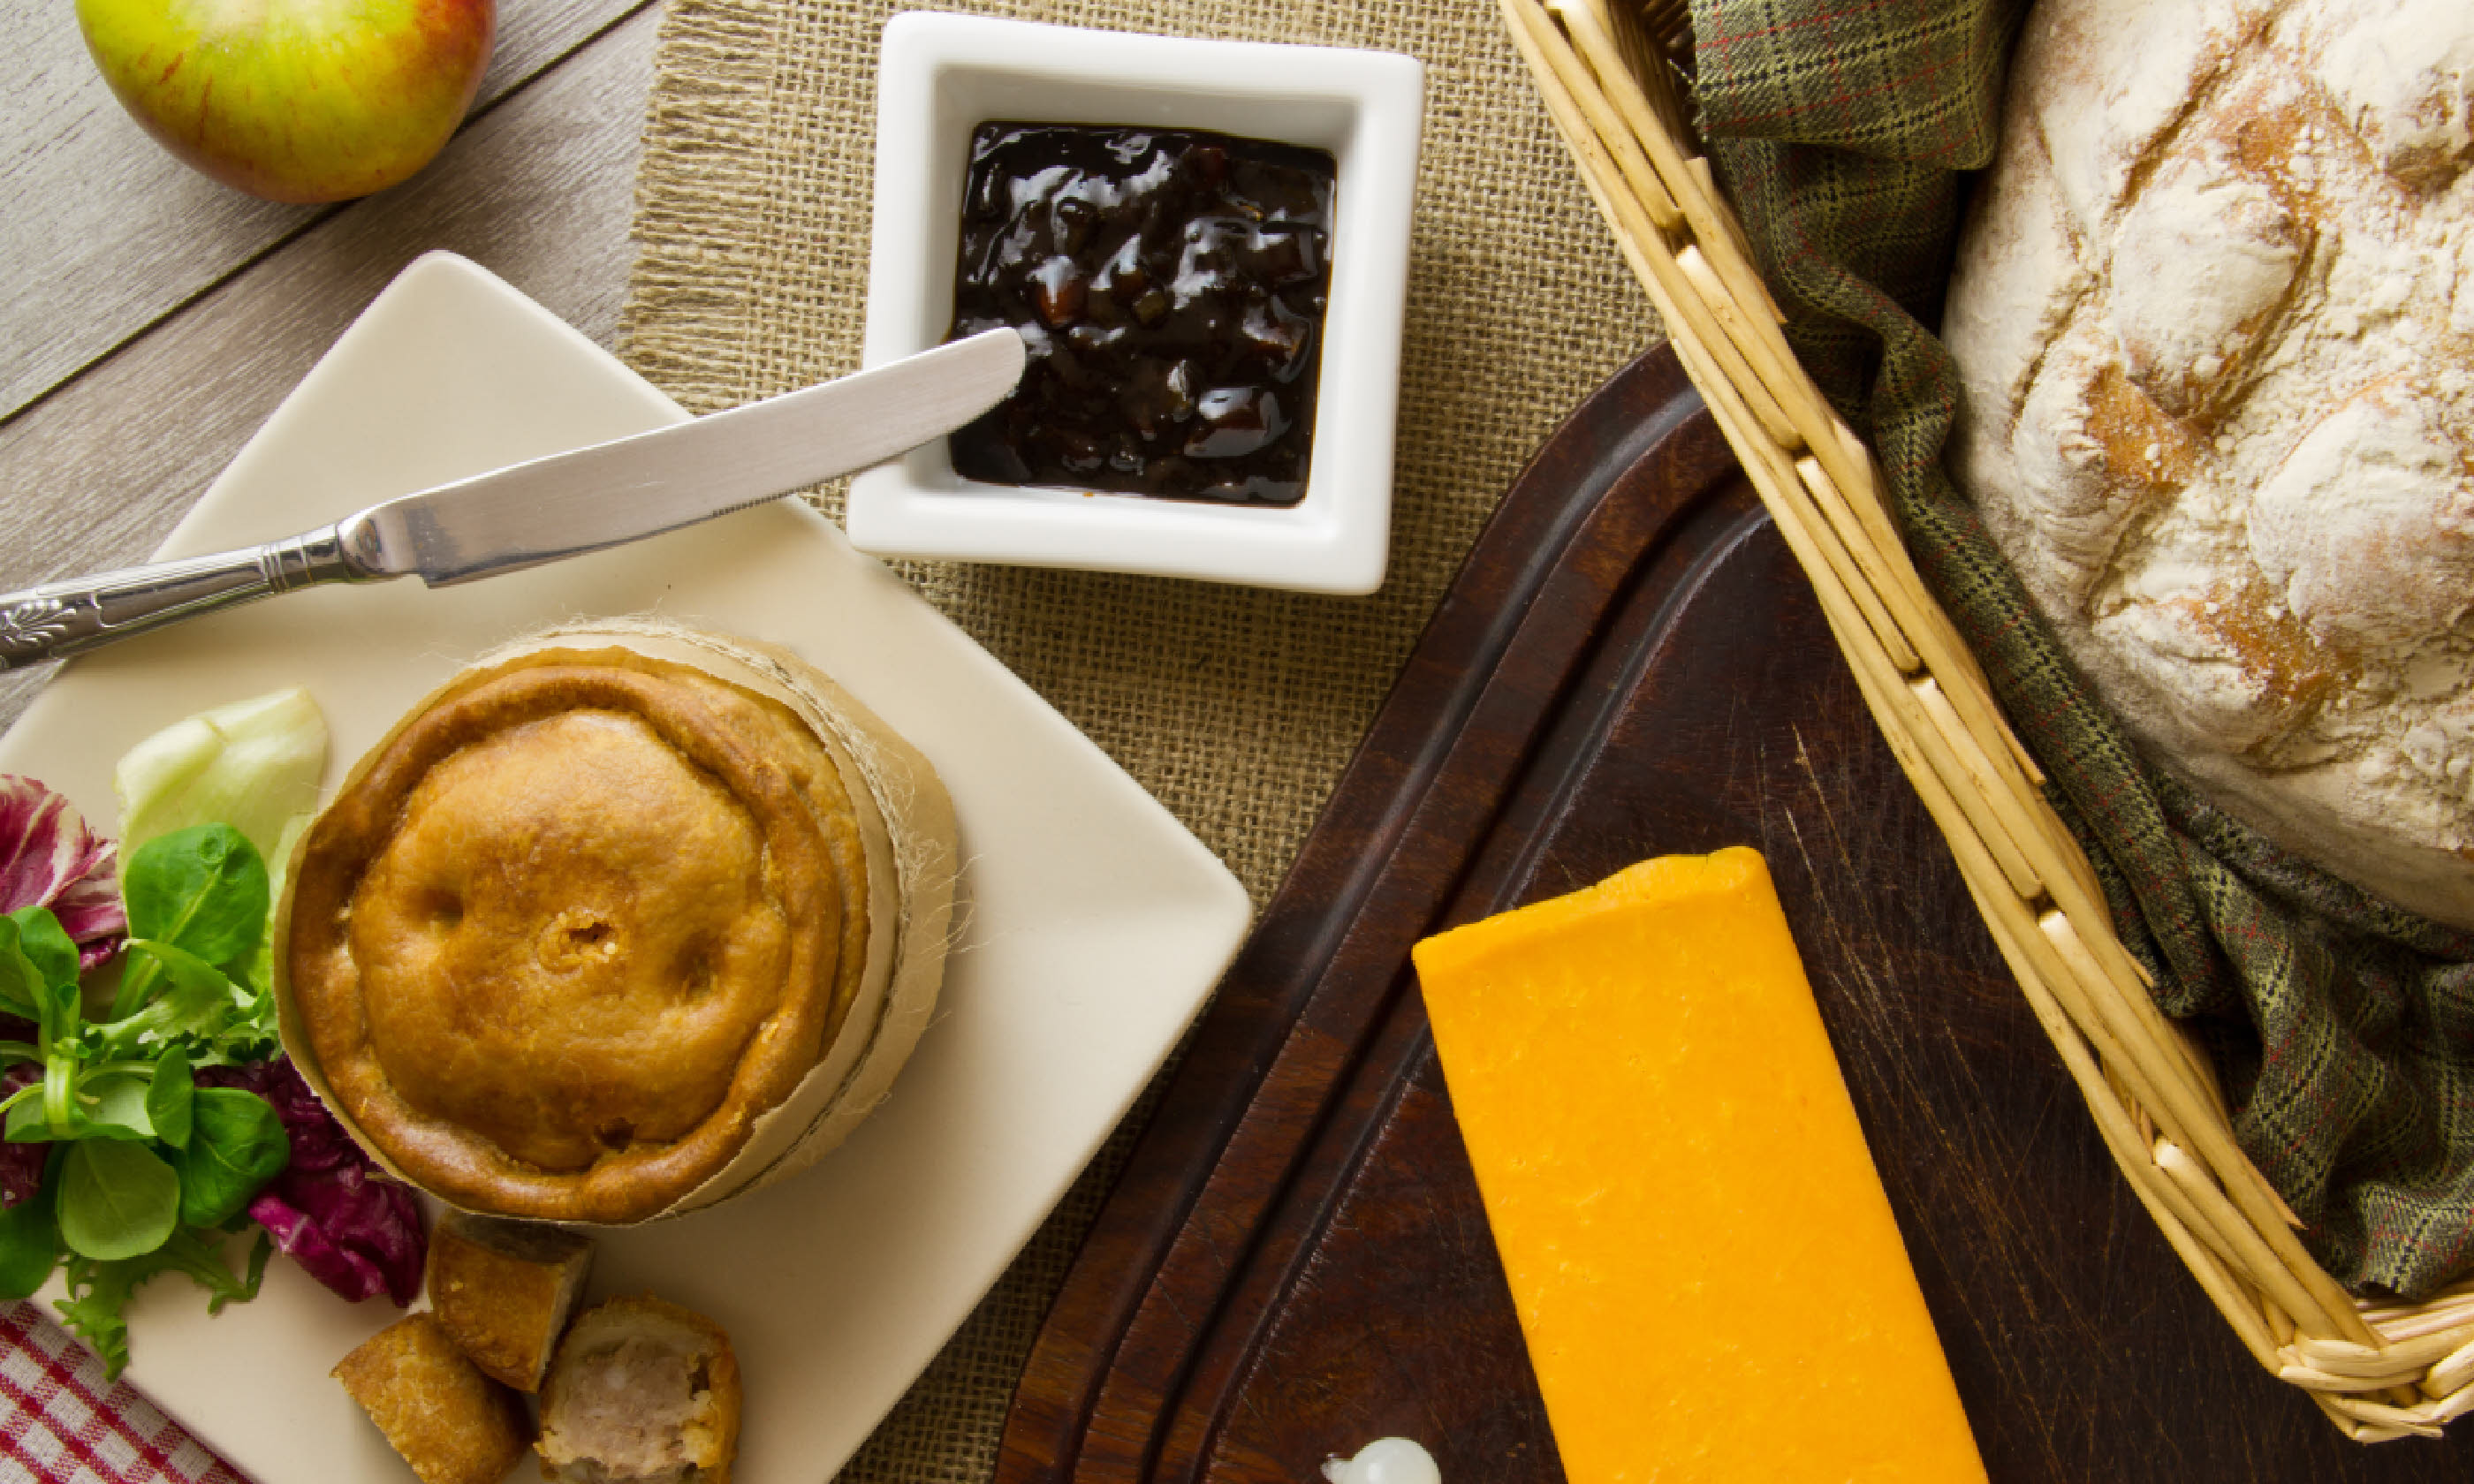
1294 1260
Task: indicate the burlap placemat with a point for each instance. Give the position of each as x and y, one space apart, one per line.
1237 708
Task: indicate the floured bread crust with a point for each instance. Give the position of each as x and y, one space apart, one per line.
2214 315
598 935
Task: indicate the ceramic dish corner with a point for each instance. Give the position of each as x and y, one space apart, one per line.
1096 926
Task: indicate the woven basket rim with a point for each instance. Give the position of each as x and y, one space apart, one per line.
1608 76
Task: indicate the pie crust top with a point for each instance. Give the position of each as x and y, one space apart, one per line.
570 930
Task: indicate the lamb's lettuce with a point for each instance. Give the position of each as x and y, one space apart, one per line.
117 1199
30 1244
236 1145
99 1291
198 901
140 1159
137 1133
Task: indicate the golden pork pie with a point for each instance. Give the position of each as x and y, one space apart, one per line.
617 925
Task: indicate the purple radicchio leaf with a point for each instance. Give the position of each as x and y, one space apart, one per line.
21 1166
333 1209
48 858
356 1233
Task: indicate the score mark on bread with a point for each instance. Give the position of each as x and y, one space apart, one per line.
2213 323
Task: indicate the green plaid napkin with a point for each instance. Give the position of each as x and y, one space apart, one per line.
2343 1026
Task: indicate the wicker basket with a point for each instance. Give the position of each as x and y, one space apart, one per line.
2378 1371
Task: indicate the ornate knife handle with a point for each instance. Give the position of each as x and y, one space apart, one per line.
82 614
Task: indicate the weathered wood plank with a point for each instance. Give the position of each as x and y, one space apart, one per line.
540 190
103 232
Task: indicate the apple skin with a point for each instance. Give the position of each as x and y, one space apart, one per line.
295 100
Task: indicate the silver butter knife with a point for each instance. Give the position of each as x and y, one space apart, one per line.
562 506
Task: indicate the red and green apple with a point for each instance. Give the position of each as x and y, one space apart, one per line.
295 100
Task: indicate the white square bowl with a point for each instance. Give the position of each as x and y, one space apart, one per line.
939 77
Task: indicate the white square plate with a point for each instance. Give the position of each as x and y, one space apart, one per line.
1093 924
940 77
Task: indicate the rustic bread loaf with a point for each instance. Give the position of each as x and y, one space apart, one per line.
2214 315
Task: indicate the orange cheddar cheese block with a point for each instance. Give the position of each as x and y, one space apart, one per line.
1706 1267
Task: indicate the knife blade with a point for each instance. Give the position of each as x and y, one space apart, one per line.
547 509
617 492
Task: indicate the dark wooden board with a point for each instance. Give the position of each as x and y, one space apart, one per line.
1294 1260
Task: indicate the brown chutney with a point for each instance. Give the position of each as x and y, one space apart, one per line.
1170 285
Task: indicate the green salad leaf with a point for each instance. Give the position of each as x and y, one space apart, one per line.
236 1145
22 990
111 1103
46 945
30 1246
117 1200
194 1002
144 1165
171 1097
32 969
99 1291
204 890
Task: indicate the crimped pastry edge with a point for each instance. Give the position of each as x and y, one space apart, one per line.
908 832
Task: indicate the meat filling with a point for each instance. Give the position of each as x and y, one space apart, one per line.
631 1413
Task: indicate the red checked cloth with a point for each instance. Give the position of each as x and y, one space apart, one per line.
61 1422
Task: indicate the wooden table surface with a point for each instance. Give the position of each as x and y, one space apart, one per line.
150 318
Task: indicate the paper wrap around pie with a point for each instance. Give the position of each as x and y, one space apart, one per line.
622 921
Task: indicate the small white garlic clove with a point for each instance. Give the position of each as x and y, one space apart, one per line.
1384 1461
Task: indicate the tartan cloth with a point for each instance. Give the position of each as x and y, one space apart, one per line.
2342 1027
